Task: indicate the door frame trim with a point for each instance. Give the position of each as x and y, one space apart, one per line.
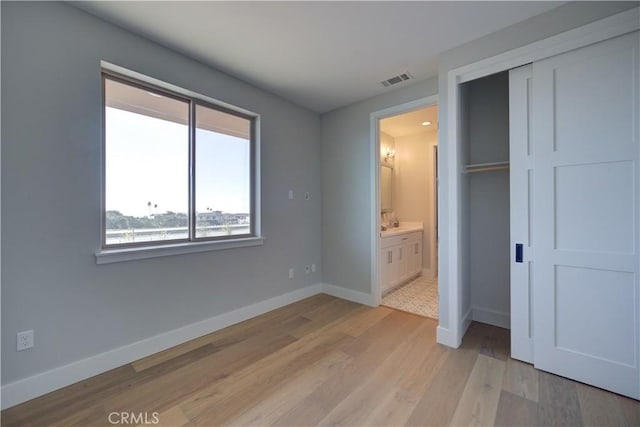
374 209
603 29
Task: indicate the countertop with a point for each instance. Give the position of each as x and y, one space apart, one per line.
404 228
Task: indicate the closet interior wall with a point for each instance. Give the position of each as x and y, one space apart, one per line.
485 203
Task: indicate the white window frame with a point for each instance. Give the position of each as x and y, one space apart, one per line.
143 250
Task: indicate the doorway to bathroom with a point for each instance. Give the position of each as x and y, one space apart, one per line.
407 215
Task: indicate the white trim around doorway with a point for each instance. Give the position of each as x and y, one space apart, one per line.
374 209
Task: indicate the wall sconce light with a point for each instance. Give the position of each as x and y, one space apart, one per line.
389 154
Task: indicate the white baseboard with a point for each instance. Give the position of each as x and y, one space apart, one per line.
466 322
45 382
491 317
349 294
446 337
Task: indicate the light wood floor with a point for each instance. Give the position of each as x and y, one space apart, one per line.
326 361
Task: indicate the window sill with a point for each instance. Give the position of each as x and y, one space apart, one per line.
107 256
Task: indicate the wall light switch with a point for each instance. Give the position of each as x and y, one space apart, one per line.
290 194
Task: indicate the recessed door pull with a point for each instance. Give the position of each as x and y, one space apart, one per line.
519 252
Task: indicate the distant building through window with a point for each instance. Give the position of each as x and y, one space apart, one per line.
176 168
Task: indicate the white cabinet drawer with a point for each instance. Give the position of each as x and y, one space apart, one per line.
400 239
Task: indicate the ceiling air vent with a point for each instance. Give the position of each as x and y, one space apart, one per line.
396 79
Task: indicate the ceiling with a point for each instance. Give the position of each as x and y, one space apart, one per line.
411 123
320 55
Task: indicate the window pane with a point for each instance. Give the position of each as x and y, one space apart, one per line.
223 174
146 165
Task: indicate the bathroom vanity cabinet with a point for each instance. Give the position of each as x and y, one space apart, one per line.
400 256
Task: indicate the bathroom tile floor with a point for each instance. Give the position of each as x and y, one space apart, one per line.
420 296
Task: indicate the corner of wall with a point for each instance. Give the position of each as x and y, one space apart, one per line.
445 336
349 294
497 318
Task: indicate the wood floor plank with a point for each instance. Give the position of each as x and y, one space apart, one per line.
440 399
429 364
61 404
335 362
172 417
268 410
401 363
388 395
324 315
521 379
401 402
631 410
138 393
178 383
495 342
369 350
394 408
598 407
90 416
238 331
515 411
216 405
396 326
163 356
557 401
326 311
367 319
479 402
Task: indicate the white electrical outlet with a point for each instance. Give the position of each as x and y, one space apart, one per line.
291 273
290 194
313 268
307 269
25 340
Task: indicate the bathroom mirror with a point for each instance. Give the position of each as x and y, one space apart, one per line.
386 199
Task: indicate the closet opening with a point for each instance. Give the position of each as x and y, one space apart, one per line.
407 262
485 201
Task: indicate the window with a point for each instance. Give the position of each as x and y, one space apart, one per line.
177 168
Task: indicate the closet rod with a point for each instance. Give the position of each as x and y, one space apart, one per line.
482 165
487 169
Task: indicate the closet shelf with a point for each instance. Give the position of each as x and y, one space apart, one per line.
486 167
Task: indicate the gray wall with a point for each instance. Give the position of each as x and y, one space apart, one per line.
561 19
413 189
346 186
487 140
51 112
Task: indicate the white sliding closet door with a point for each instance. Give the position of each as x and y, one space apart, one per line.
586 230
521 211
